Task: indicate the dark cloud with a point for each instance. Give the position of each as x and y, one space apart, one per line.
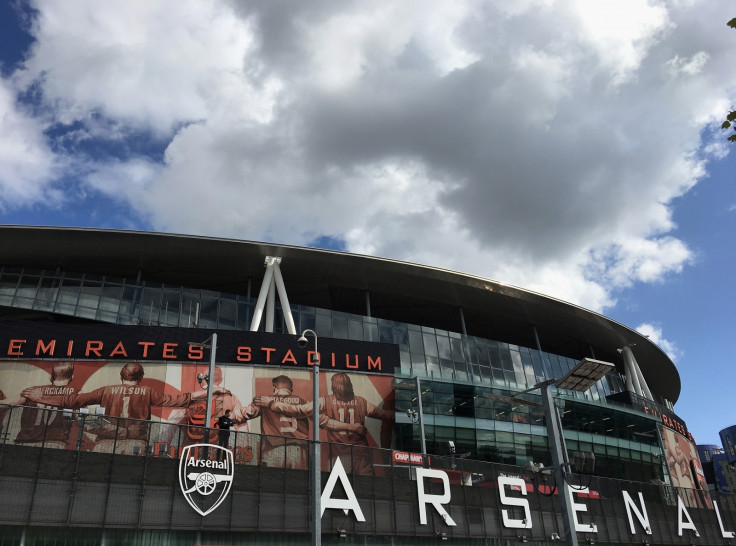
540 144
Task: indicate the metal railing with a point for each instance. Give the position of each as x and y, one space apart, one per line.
82 470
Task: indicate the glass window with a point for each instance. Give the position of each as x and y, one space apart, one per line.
46 295
433 366
495 357
129 304
401 335
506 363
9 283
27 289
385 332
150 304
415 342
209 310
245 310
228 315
430 344
444 347
340 327
458 354
555 366
418 366
323 325
370 331
89 294
355 329
109 302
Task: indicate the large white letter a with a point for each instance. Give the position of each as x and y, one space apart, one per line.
351 503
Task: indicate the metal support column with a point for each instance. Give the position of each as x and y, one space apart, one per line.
420 413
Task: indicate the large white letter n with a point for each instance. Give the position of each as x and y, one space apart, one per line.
435 500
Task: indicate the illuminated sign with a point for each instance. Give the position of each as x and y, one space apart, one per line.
142 343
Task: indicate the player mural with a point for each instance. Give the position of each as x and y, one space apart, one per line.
351 421
685 469
232 390
158 408
285 442
40 425
129 400
117 401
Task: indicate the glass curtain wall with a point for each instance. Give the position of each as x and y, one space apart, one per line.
462 376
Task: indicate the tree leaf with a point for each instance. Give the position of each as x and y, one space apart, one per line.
732 138
731 116
732 23
726 125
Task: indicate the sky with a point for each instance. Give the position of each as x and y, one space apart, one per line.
568 147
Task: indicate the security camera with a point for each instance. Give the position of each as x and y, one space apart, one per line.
302 341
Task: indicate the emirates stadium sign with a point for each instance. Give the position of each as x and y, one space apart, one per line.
153 343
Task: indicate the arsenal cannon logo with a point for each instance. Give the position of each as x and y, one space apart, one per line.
205 482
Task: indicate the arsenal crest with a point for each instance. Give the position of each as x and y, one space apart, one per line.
205 482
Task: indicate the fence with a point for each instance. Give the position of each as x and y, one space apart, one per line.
79 470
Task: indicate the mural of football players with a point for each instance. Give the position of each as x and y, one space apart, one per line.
281 452
127 400
3 410
41 426
345 409
222 400
678 460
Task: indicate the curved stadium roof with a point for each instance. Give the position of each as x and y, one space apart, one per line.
334 280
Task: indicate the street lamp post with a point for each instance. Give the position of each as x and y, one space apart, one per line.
579 379
211 380
559 460
211 343
316 456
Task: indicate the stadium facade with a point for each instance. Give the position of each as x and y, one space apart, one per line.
430 415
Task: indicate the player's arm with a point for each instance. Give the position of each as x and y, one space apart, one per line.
338 426
75 401
3 409
240 414
378 413
252 411
182 400
201 394
288 410
35 394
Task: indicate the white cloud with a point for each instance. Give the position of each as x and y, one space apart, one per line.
539 143
151 65
688 66
621 32
654 333
26 162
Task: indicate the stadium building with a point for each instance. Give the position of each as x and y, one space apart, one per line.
432 417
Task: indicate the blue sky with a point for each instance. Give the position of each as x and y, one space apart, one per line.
569 147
